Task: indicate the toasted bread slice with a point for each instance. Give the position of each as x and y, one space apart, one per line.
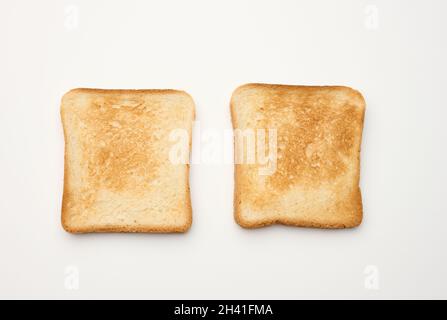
314 176
118 174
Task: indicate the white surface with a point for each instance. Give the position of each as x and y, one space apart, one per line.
208 48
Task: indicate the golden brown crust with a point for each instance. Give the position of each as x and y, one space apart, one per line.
318 168
118 177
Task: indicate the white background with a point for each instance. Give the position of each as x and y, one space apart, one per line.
392 51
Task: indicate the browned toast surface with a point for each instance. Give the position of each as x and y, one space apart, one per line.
118 176
316 181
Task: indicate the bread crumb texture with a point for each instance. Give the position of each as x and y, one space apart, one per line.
319 133
118 177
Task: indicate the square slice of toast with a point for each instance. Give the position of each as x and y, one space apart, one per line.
118 173
306 168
